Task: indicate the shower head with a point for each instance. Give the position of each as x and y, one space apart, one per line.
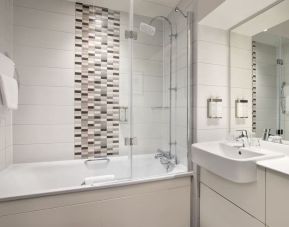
178 10
151 30
147 29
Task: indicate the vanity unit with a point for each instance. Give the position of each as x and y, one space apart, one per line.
250 190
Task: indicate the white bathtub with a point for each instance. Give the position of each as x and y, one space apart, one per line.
48 178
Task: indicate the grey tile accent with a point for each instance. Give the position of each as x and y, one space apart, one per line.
96 96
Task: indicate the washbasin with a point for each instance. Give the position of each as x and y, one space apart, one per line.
231 162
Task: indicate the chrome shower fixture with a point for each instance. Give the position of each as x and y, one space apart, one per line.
178 10
147 29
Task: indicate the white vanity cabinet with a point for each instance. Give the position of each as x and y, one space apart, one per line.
277 199
216 211
250 196
225 203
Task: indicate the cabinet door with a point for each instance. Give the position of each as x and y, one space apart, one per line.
277 199
249 197
219 212
167 208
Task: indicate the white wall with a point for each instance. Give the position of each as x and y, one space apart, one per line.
44 52
44 55
211 79
241 78
214 77
6 46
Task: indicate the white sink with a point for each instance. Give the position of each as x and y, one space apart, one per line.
232 163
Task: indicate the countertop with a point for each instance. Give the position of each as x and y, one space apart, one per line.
280 165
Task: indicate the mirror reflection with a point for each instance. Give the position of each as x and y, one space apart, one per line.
260 57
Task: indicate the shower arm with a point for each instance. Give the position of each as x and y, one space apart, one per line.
167 20
171 81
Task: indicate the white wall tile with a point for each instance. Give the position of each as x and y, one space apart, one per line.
241 78
142 51
241 41
43 19
44 53
40 57
209 74
213 35
43 152
241 58
204 122
153 83
38 37
44 115
62 7
210 135
206 92
212 53
144 66
43 76
45 134
36 95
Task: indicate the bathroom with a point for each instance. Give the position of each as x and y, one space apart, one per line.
165 113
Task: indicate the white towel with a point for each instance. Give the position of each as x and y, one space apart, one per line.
7 66
98 179
9 91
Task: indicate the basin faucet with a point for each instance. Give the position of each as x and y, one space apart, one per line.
243 138
244 134
266 134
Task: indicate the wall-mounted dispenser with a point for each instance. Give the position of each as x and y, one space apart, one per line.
214 108
241 108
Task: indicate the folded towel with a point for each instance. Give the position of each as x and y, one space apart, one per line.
98 179
9 91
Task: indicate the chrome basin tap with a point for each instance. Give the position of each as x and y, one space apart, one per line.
243 138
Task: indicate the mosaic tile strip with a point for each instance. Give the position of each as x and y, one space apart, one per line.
254 87
96 94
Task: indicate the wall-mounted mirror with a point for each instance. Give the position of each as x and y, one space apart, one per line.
259 73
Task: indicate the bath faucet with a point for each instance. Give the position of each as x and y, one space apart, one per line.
166 159
166 154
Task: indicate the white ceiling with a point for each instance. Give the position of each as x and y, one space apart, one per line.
269 19
281 30
267 38
274 35
150 8
232 12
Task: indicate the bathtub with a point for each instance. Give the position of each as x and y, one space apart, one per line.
46 178
52 194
